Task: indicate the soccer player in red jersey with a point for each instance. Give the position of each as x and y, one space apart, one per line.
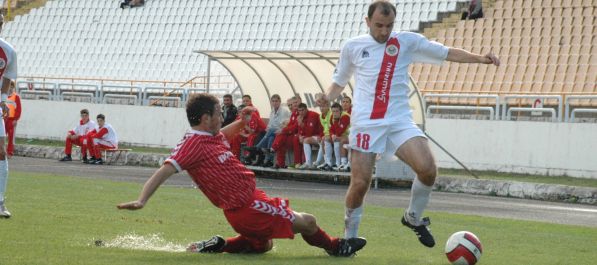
204 153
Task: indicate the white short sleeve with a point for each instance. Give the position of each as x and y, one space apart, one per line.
427 51
345 66
11 68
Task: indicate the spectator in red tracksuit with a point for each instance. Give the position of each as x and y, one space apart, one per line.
347 104
310 131
12 117
251 133
288 138
104 138
78 136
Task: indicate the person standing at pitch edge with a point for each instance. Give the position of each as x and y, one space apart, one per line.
381 120
8 72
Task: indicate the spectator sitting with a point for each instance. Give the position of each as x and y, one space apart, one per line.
309 130
104 138
251 134
132 3
288 138
12 117
338 137
475 10
324 120
347 104
277 119
229 111
78 136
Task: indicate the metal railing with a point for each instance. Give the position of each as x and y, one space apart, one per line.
505 105
495 108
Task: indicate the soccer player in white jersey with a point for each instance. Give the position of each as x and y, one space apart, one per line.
8 71
381 119
104 138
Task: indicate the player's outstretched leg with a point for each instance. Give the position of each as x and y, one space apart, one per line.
306 225
4 213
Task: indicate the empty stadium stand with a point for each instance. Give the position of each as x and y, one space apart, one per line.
548 52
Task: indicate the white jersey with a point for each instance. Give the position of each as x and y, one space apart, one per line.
83 129
109 136
8 62
381 74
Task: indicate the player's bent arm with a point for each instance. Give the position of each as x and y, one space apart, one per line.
151 185
4 90
237 126
462 56
332 92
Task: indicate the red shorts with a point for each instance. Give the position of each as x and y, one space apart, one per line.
263 219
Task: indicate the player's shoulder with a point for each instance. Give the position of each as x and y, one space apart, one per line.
408 37
358 41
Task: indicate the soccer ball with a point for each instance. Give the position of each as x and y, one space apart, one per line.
463 248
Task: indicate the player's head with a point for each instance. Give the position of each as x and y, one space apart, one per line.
296 101
247 100
324 107
228 100
346 102
204 110
101 120
275 100
302 109
85 115
380 20
336 110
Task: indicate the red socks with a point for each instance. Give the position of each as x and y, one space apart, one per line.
322 240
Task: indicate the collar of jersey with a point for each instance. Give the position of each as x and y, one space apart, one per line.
200 132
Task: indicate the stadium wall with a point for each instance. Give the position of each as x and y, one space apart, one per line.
543 148
506 146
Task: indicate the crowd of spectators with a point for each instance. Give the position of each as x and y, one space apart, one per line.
292 129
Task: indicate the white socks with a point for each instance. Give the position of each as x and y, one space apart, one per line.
319 155
352 220
3 178
337 152
419 198
307 151
328 153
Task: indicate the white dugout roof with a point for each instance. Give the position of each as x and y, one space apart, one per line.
306 73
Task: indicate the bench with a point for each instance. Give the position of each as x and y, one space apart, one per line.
115 155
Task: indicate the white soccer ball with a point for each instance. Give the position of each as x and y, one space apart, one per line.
463 248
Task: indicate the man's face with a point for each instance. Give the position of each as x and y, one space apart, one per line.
380 26
336 113
247 101
85 117
346 104
302 112
324 108
295 104
215 121
227 101
101 122
276 103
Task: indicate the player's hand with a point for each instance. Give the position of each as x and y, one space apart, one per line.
492 59
321 99
248 110
134 205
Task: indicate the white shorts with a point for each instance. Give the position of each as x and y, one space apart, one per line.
384 139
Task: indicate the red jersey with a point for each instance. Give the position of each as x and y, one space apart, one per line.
256 123
224 180
292 126
340 127
311 125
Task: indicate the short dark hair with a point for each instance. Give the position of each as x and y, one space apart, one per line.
247 96
228 96
337 105
276 96
198 105
386 8
302 106
101 116
85 111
